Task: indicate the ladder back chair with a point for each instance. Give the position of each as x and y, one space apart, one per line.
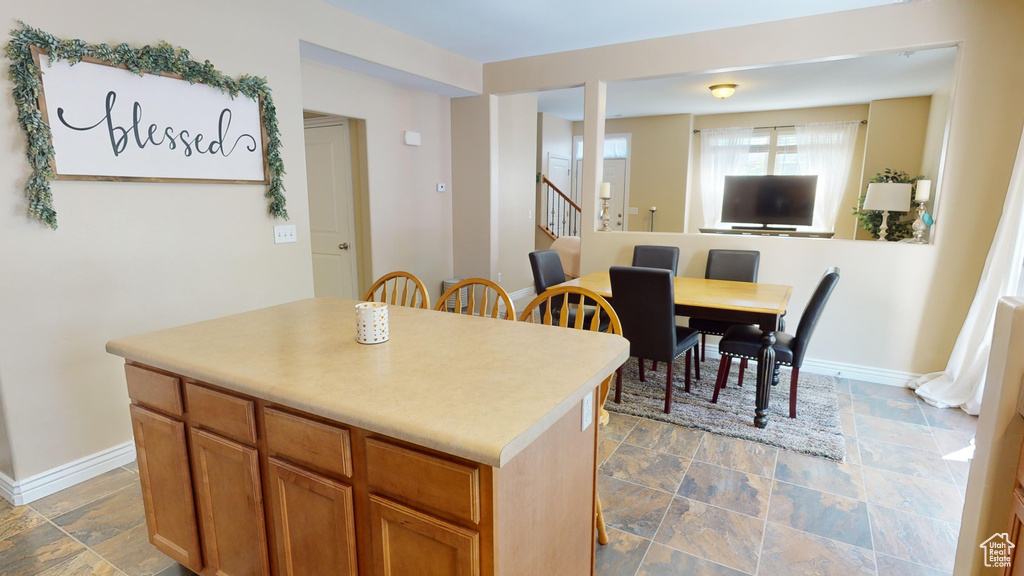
478 297
603 319
399 289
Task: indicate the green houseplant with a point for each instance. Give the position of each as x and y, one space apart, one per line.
871 220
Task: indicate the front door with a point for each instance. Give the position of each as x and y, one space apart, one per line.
329 184
614 174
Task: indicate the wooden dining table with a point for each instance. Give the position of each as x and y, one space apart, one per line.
740 302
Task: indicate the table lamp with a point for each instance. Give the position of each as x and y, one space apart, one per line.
924 193
887 196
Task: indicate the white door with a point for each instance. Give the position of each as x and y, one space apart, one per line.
614 174
558 173
329 184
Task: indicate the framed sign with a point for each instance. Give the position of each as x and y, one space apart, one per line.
109 124
150 114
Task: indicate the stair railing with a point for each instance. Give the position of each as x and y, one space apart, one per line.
562 215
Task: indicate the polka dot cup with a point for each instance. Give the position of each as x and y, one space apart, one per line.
371 322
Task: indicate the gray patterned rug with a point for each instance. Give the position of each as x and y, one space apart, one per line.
816 430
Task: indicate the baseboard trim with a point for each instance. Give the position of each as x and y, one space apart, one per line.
855 371
519 294
56 479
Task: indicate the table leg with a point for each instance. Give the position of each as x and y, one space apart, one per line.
765 373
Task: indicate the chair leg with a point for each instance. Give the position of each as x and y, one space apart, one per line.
689 353
792 392
618 386
668 389
743 368
696 365
703 345
640 363
602 533
723 373
654 365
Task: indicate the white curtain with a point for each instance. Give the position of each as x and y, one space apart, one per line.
826 149
723 151
962 383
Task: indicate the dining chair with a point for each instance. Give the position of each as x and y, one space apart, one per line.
745 341
547 272
604 319
733 265
387 288
473 295
666 257
645 303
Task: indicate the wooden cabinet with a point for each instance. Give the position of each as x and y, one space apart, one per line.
406 541
314 522
167 486
1017 535
231 505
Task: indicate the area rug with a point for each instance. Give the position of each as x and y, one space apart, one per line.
817 430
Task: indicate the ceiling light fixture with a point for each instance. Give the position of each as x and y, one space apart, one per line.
723 91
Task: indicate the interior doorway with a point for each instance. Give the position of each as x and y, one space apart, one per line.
338 219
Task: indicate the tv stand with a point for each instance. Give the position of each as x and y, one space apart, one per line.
765 228
758 231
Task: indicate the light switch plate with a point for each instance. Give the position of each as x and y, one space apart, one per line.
588 411
284 234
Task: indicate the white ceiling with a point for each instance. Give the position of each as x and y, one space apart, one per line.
854 80
493 30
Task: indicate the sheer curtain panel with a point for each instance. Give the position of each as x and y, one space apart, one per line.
962 383
826 149
723 152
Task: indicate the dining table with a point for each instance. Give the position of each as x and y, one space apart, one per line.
739 302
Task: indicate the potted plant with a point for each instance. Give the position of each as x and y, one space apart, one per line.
871 220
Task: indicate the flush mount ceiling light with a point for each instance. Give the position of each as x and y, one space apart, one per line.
723 91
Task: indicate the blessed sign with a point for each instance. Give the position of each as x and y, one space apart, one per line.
110 124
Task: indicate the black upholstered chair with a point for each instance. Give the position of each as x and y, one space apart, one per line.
733 265
666 257
645 303
745 341
547 272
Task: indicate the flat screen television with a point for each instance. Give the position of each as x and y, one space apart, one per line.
769 200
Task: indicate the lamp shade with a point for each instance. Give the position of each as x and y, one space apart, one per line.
924 191
723 91
888 196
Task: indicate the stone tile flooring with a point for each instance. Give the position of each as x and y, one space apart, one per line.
684 502
677 501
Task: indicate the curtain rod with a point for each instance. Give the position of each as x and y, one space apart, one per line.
696 131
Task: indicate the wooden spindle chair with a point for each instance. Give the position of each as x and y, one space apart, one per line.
399 289
483 298
593 313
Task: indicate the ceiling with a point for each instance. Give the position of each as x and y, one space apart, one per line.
493 30
835 82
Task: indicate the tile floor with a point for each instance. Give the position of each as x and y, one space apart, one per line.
677 501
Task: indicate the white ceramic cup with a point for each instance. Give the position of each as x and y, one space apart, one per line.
372 322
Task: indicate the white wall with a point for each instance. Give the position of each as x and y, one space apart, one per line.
474 191
517 193
131 258
897 307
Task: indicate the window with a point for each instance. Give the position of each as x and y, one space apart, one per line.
615 146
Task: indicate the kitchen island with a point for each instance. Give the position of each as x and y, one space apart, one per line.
271 442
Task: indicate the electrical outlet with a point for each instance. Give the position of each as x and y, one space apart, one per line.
588 411
284 234
499 276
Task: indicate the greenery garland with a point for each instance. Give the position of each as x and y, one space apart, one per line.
871 220
160 59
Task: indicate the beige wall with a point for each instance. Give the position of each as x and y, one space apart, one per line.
554 136
410 222
6 464
897 307
517 147
844 221
474 191
657 167
935 139
897 129
131 258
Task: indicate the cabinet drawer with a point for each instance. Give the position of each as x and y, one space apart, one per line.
233 417
307 442
418 478
154 390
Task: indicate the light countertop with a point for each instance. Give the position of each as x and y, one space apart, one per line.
477 388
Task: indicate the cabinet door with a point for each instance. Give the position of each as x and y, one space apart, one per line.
230 505
314 526
406 541
167 486
1016 567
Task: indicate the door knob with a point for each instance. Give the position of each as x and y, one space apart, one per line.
343 246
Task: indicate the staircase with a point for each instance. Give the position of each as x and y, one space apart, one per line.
562 215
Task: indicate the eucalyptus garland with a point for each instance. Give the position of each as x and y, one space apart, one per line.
159 59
